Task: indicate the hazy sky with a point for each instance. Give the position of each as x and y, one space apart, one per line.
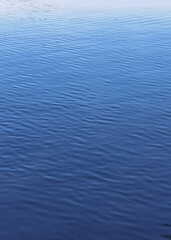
57 6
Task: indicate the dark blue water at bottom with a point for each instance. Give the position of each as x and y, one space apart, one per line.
85 123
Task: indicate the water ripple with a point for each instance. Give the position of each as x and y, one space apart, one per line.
85 127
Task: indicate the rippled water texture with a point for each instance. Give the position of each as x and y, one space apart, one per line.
85 123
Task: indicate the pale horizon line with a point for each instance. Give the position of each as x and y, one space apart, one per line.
10 7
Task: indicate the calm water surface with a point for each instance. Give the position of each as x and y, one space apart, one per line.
85 123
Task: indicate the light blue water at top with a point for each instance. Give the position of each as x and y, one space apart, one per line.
85 122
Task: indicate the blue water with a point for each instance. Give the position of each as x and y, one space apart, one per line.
85 127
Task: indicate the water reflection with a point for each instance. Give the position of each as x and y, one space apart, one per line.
166 235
